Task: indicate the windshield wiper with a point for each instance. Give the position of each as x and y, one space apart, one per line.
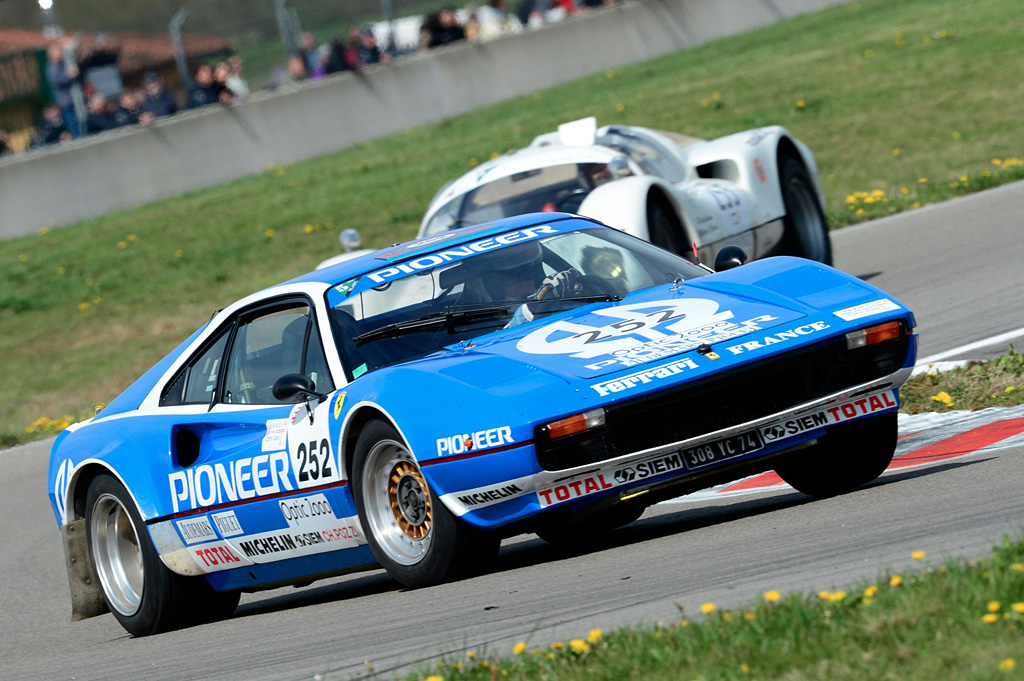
450 318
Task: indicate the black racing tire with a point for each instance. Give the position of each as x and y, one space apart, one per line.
849 456
805 228
413 536
568 530
664 228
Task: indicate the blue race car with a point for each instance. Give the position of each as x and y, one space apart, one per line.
411 407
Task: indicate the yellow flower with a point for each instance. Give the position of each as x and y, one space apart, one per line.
956 135
922 180
550 656
749 616
997 161
1009 389
1017 567
594 635
917 555
471 654
943 397
917 204
993 606
473 163
557 645
578 646
895 151
800 104
1018 608
609 73
823 595
518 648
269 233
1007 665
620 107
308 229
494 155
715 96
132 237
707 608
684 623
771 596
860 211
22 257
178 253
990 618
870 591
61 270
704 102
435 678
904 191
895 580
44 229
83 306
744 668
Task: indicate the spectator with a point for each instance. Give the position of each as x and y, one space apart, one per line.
61 77
442 28
235 82
343 56
5 145
323 59
203 91
294 72
368 51
100 116
127 111
494 20
99 67
158 101
52 129
308 51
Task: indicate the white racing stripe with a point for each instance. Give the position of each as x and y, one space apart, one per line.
983 343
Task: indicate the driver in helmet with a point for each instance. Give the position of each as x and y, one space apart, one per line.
517 274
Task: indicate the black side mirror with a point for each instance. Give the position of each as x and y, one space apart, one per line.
295 388
730 257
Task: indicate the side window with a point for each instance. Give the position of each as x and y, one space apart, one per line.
196 382
266 347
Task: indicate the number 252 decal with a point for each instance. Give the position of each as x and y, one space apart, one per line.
313 462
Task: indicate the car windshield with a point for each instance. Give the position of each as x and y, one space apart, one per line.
436 300
553 188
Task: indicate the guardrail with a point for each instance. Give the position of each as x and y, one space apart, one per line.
124 168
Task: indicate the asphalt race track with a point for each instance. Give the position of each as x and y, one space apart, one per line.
958 265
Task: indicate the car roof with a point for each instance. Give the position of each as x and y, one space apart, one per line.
349 269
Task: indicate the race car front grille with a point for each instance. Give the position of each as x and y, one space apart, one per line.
724 400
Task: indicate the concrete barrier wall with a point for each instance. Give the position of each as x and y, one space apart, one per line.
128 167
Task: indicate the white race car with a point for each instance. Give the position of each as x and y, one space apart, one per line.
758 189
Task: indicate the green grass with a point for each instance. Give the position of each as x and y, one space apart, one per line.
86 309
997 383
959 621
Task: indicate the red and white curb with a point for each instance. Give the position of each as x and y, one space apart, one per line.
925 440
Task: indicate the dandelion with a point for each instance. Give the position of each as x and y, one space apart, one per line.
800 104
178 253
823 595
917 555
269 233
1009 389
132 237
727 617
494 155
868 54
922 180
870 591
994 606
704 102
435 677
904 190
895 151
620 107
557 645
917 204
708 608
44 229
895 580
1017 567
990 618
1007 665
860 211
61 270
771 596
997 161
471 654
22 257
519 648
956 135
943 397
1018 608
684 623
578 646
745 668
473 163
716 96
609 73
550 656
594 636
749 616
308 229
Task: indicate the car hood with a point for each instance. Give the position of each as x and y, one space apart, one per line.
714 315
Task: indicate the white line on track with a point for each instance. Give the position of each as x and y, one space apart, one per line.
984 342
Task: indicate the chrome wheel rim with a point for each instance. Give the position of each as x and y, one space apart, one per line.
116 554
810 226
397 502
